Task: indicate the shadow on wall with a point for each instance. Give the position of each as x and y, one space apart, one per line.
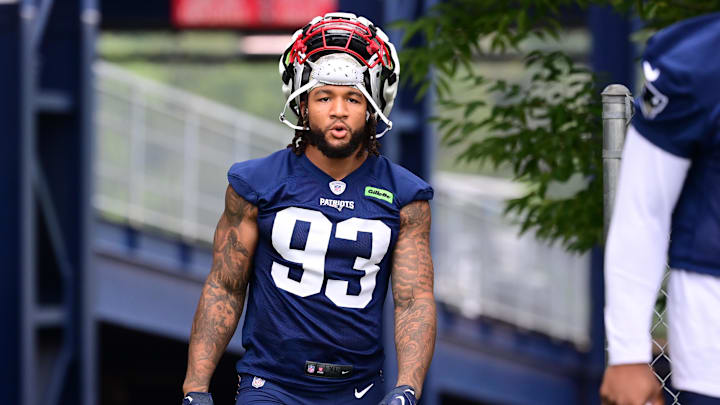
150 369
447 399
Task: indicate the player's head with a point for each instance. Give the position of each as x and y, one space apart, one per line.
344 52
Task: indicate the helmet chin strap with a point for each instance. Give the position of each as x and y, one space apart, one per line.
312 83
382 116
306 87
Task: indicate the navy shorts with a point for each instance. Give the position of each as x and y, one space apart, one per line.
691 398
258 391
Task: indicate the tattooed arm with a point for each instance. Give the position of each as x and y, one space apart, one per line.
412 285
223 294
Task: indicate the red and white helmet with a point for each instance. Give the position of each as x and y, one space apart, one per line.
341 49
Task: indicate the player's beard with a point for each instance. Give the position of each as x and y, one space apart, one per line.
316 137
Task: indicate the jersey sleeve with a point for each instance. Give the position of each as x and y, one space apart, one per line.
421 191
410 187
668 115
676 106
239 176
649 185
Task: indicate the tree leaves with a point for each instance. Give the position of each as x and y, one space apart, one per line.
545 130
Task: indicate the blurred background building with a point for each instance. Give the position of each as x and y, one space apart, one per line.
119 121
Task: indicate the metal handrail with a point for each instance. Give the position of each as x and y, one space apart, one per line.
483 268
153 152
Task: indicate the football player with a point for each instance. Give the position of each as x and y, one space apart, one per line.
316 231
668 206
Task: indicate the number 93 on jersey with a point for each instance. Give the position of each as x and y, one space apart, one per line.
312 256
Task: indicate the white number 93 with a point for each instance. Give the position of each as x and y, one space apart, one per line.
312 258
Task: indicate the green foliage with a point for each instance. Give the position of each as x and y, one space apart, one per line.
661 13
547 131
547 128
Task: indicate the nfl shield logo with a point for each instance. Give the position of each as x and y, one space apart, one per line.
337 187
311 368
257 382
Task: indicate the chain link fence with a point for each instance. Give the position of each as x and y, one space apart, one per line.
661 357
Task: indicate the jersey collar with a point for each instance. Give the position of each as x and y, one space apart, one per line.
324 177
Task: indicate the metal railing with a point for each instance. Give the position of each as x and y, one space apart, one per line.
163 153
163 156
617 113
484 268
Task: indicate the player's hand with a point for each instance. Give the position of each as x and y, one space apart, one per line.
630 384
198 398
402 395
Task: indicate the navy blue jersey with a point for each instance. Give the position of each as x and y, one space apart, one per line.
679 111
321 266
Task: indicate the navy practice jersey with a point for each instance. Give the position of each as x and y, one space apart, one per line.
321 266
679 111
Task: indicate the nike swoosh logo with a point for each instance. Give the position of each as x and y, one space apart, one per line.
362 393
650 74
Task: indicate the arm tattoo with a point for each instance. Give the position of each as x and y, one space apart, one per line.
223 294
412 285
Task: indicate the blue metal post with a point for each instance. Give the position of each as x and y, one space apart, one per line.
89 23
11 205
411 141
589 385
64 132
46 122
612 55
27 234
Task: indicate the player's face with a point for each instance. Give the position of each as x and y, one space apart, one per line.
337 120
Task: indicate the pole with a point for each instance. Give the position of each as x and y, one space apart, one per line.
617 111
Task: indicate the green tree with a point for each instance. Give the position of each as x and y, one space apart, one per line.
547 128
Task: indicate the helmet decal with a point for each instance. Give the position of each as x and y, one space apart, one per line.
338 69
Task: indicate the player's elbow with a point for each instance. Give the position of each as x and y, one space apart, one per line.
225 286
421 301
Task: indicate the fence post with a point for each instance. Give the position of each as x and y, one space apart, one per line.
616 114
